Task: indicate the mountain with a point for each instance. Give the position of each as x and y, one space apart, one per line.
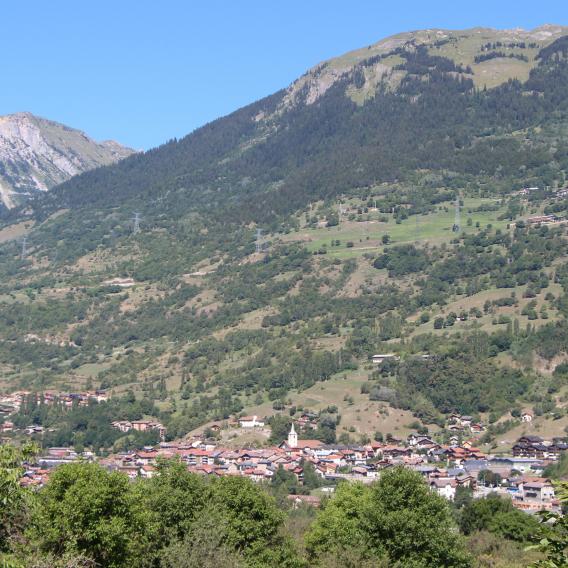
404 199
37 154
446 101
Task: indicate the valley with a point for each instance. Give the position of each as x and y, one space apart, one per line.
327 329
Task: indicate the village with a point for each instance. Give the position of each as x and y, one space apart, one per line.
445 468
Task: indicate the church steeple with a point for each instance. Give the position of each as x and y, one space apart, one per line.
293 438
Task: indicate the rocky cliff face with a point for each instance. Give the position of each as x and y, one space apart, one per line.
37 154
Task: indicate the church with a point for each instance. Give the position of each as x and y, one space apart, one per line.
293 444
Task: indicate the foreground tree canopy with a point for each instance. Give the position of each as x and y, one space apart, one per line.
398 519
87 516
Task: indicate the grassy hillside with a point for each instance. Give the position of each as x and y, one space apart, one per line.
358 255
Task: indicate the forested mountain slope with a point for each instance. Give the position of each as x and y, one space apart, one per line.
396 190
415 101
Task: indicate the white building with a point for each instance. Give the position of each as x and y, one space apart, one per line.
251 422
444 487
293 438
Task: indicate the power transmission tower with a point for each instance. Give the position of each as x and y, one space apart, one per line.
136 220
24 248
258 240
457 221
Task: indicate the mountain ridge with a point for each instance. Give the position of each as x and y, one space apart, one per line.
364 116
37 153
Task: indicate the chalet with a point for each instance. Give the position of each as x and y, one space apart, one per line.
530 440
251 422
465 480
308 420
477 428
396 451
527 416
535 450
420 441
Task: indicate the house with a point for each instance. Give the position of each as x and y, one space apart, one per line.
542 219
542 491
299 500
396 451
382 357
122 425
7 427
145 457
120 282
420 441
251 422
147 471
477 428
444 487
524 450
530 440
141 425
309 445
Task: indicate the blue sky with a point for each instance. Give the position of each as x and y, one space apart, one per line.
142 72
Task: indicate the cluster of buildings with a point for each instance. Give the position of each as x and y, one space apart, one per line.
140 426
13 402
459 423
537 448
445 468
539 219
